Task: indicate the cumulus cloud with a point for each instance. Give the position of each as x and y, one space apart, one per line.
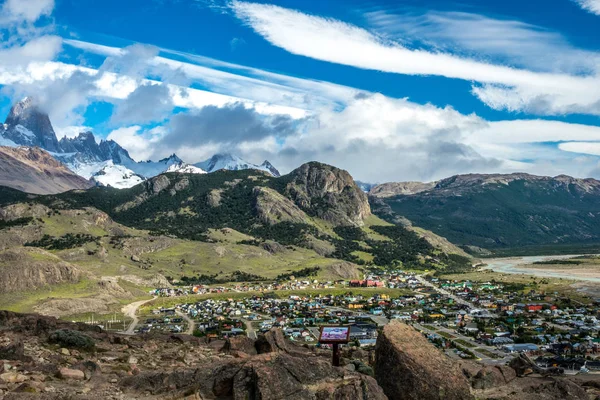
140 144
17 11
23 41
240 81
64 99
147 103
592 6
230 124
342 43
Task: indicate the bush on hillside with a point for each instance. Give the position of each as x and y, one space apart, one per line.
72 339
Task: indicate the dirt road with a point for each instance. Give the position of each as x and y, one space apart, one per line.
130 310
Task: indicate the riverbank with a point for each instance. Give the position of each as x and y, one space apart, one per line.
525 265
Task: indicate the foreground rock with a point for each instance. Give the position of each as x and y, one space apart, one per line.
408 367
266 377
51 359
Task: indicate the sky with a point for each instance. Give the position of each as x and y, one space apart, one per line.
388 90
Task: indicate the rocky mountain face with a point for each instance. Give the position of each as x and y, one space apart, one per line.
27 125
408 367
33 170
501 211
328 193
399 188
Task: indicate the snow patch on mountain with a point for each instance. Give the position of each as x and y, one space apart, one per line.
184 168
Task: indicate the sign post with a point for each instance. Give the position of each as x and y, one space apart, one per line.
335 335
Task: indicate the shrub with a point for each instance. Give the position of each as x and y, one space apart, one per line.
72 339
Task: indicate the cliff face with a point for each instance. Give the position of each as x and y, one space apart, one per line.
27 125
328 193
24 269
34 170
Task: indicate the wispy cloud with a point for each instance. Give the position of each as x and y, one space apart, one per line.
238 80
500 86
505 41
592 6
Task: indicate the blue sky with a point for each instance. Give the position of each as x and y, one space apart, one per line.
390 90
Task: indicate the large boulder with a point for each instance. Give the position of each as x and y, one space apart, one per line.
238 344
408 367
271 342
492 376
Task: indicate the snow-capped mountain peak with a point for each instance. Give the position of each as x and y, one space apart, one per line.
104 161
27 125
184 168
117 176
232 162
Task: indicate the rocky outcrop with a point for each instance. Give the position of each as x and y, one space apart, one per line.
33 170
493 376
271 376
408 367
29 269
328 193
399 188
271 207
344 270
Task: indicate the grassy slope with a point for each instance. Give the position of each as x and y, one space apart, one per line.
224 256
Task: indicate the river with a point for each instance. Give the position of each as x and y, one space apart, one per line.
518 265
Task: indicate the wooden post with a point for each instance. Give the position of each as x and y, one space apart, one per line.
336 355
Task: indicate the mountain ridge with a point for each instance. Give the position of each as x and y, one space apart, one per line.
495 211
34 170
104 162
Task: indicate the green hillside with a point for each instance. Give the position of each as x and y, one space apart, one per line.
519 213
112 245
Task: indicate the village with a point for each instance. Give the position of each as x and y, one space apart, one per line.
488 321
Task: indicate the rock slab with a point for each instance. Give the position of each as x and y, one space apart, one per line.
408 367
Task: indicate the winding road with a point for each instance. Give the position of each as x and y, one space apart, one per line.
130 310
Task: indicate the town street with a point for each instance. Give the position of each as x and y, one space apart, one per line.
191 324
458 300
502 357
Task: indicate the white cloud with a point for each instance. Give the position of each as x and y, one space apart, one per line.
473 35
25 10
70 131
592 148
37 77
592 6
238 80
534 131
338 42
139 143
